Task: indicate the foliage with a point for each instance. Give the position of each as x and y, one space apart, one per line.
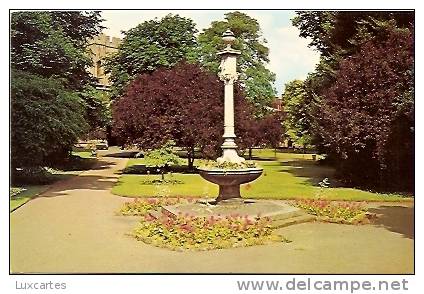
296 108
335 212
265 131
340 32
46 120
98 113
162 156
49 61
186 232
144 206
212 164
317 26
361 115
53 44
151 45
360 97
182 104
254 77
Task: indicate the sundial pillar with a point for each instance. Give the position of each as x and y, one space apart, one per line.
228 74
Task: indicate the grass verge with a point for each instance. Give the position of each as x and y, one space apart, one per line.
286 176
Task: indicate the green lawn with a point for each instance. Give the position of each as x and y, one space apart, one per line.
29 193
286 176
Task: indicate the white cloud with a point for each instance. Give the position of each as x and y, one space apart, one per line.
290 55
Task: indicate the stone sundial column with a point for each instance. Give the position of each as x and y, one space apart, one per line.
228 75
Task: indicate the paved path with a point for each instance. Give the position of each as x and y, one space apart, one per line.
72 228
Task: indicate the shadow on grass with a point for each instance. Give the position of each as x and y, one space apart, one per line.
311 171
396 219
61 184
141 169
122 154
261 158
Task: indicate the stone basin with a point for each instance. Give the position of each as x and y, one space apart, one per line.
229 180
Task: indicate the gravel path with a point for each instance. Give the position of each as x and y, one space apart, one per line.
72 228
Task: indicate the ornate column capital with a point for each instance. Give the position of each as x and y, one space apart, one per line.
227 77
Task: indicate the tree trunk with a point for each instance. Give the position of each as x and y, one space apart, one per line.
250 153
190 158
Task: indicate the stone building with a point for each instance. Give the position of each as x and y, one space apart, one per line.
102 46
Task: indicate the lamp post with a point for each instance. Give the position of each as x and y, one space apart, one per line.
228 74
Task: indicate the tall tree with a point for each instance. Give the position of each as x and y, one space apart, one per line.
297 109
340 32
53 44
255 77
366 118
183 104
150 45
351 99
49 61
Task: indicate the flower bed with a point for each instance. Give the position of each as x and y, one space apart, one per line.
191 233
211 164
141 206
335 212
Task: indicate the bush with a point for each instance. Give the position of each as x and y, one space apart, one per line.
46 121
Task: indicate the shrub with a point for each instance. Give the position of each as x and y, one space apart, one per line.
46 120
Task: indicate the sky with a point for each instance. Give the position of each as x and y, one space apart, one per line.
290 57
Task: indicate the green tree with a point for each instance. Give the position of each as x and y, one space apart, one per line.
46 120
53 44
98 112
254 76
297 109
49 61
361 93
162 157
151 44
342 32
